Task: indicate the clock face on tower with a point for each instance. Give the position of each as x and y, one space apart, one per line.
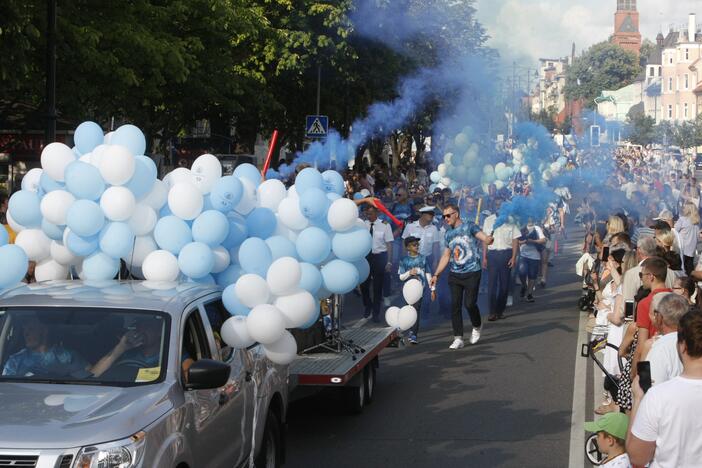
628 25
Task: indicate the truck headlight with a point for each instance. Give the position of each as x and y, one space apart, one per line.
125 453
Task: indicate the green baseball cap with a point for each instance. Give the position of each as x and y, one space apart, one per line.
615 424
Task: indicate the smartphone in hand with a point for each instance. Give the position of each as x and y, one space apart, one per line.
629 309
605 254
643 370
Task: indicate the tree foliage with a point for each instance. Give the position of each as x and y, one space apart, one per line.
604 66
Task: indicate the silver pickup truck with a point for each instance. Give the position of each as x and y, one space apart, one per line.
132 374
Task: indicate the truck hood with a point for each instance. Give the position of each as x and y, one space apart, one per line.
47 416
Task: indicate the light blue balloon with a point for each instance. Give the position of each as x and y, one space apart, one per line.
226 194
308 178
130 136
323 293
228 276
48 184
352 245
88 135
211 228
165 211
207 203
144 176
116 240
232 304
24 208
4 236
81 246
77 152
196 260
363 269
432 187
314 203
84 181
333 182
340 277
238 232
52 231
332 197
249 172
311 279
255 256
14 263
100 266
313 319
435 177
357 196
322 224
313 245
261 222
85 218
281 247
207 279
172 234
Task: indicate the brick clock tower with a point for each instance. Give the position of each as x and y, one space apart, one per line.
626 26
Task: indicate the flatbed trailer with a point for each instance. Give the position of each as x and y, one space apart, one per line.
352 368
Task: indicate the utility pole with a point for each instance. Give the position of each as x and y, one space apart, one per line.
50 135
514 93
319 84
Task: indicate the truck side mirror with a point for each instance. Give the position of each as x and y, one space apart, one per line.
207 374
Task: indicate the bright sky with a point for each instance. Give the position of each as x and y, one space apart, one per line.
525 30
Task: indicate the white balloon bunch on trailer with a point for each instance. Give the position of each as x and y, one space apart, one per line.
276 251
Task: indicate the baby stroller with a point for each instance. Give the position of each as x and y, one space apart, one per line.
586 302
598 342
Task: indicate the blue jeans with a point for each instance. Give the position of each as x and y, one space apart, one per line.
498 280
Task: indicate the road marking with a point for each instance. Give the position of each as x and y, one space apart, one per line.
576 457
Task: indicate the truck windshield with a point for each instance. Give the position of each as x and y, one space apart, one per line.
91 346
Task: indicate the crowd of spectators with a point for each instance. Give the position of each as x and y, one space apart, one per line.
640 271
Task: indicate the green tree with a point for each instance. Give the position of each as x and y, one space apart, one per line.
603 66
641 129
685 135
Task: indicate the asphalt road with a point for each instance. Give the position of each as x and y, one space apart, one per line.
506 401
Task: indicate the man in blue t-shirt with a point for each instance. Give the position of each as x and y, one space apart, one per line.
462 256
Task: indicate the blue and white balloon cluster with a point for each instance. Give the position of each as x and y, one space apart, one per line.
276 251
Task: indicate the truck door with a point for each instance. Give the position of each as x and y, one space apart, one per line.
239 405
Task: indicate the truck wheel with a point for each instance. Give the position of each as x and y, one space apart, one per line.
356 397
269 455
369 377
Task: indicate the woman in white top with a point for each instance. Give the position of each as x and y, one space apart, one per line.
688 226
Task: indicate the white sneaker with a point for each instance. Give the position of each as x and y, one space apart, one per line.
475 336
457 344
510 301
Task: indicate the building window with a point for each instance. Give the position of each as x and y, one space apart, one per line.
685 110
670 84
687 54
670 58
670 111
687 82
660 71
651 71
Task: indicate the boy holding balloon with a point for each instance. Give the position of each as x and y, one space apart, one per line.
415 266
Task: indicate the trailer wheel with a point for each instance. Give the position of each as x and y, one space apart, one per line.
369 377
356 397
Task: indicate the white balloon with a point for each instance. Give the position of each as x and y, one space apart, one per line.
412 291
54 206
407 318
271 193
30 181
392 316
117 165
342 214
206 171
61 254
143 220
35 244
158 195
178 175
143 246
50 269
17 227
283 276
290 215
97 154
160 265
86 158
292 192
283 351
441 169
185 200
222 259
248 197
54 159
298 308
108 137
365 193
499 184
525 170
445 181
251 290
235 332
118 203
499 166
265 323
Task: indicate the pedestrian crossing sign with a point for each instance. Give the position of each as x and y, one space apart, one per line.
316 126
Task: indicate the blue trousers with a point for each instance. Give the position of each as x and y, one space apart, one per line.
499 279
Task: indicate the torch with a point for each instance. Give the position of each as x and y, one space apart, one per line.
269 156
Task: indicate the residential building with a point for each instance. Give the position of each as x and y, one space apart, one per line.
549 95
680 72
